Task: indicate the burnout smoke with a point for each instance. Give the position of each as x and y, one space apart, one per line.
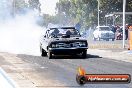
20 35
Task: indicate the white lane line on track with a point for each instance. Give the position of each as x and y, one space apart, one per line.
6 81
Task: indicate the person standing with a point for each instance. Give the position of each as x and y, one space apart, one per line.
126 32
113 29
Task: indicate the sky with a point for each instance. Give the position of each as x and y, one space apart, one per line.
48 6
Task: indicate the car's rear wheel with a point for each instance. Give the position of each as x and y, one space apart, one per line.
50 55
84 54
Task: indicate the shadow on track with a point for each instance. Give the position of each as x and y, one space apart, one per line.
89 56
75 57
93 56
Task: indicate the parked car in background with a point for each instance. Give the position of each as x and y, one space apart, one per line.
63 41
104 33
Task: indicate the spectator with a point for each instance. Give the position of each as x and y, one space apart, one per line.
113 28
126 31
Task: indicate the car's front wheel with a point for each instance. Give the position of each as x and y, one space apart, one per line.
50 55
43 52
98 38
84 54
94 39
113 39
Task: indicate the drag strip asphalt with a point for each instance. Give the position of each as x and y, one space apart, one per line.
62 72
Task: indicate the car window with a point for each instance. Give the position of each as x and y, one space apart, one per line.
104 29
63 31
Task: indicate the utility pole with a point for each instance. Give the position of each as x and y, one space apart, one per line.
13 6
106 21
124 8
98 12
59 13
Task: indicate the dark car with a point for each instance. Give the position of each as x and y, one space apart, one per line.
63 41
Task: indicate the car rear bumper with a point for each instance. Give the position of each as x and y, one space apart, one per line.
67 51
107 37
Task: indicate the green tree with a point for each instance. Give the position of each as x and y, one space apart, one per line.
49 19
85 11
34 4
82 11
19 6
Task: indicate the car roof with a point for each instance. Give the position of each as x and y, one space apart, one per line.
101 26
62 28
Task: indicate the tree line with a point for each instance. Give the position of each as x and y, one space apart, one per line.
83 12
22 6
